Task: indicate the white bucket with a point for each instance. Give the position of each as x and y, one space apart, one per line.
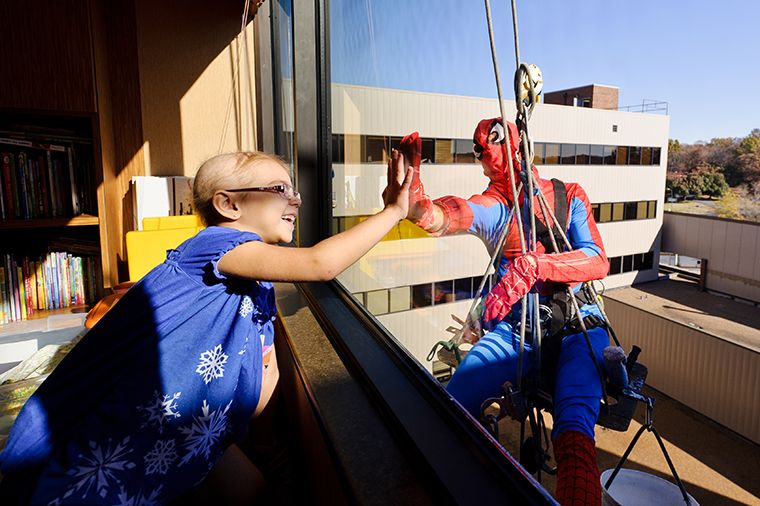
636 488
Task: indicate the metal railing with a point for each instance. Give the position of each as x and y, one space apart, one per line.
646 105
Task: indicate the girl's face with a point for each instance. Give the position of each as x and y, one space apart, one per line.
269 207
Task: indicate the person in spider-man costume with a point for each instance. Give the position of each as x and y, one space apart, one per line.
493 359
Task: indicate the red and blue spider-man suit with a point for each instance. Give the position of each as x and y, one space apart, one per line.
493 359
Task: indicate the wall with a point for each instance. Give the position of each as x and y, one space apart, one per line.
711 375
187 53
730 247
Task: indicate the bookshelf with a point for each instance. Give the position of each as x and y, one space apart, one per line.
50 254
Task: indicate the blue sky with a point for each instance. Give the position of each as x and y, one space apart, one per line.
701 57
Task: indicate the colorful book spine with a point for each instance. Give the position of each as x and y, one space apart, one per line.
7 168
3 309
21 292
40 278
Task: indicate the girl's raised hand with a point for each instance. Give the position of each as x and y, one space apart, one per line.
396 193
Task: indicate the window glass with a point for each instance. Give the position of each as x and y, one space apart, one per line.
463 151
618 209
638 261
463 288
582 153
428 150
652 212
352 148
552 154
377 302
376 149
567 154
630 210
597 154
605 212
634 155
422 295
655 156
595 211
615 265
610 155
538 153
646 156
337 148
641 210
622 155
444 151
400 299
628 263
648 261
443 291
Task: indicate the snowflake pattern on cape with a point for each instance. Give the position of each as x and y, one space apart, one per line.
204 432
139 499
211 364
100 469
161 457
159 410
246 307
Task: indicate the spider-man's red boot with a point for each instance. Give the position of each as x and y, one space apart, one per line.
577 474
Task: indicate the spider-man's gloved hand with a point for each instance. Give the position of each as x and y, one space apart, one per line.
521 275
420 205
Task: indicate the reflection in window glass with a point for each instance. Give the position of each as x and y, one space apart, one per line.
622 155
538 153
646 156
610 155
376 149
463 151
567 154
352 148
337 148
552 154
652 213
618 209
463 288
628 263
597 154
641 210
638 261
400 299
582 154
428 151
422 295
443 291
655 156
377 302
634 155
444 151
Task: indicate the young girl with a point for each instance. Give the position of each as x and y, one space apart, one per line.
158 391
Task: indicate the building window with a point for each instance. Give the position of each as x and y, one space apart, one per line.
597 155
615 263
610 155
605 213
634 155
641 210
618 209
652 212
646 156
377 302
463 289
567 154
422 295
400 299
622 155
655 156
352 148
444 151
595 212
628 263
337 148
376 149
552 154
647 261
614 128
538 153
630 209
463 151
443 291
428 150
582 154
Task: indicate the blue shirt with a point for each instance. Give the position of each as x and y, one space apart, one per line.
143 407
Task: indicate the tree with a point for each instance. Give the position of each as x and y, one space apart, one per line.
710 180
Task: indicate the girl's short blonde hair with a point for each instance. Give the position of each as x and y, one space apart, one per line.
222 172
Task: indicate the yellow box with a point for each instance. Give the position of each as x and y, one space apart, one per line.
147 248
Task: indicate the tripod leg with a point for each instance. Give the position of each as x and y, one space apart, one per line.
625 456
670 464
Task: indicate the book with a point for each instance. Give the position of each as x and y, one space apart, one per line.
3 309
75 204
7 167
21 292
152 198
